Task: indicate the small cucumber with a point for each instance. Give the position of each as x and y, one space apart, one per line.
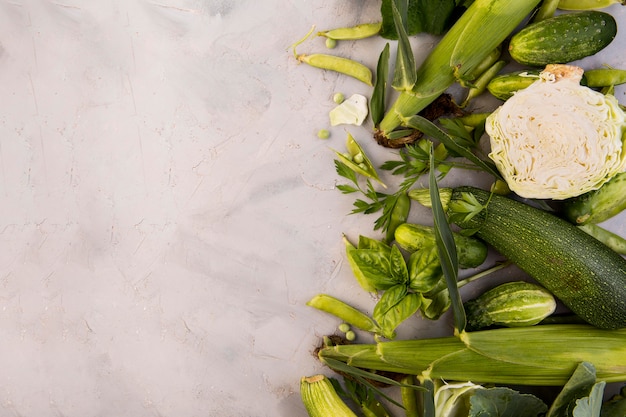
412 237
563 38
503 86
512 304
587 276
599 205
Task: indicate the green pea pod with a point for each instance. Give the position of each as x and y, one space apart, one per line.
480 84
360 31
365 167
603 77
344 312
338 64
399 214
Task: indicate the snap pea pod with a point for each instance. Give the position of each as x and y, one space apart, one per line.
587 4
399 214
343 311
335 63
361 31
480 85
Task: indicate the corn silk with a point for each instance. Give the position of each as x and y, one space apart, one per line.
557 139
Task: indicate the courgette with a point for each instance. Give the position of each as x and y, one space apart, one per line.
512 304
587 276
563 38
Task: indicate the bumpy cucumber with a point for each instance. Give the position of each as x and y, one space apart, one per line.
505 85
563 38
512 304
599 205
412 237
583 273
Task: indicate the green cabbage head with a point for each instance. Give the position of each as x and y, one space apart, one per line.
557 139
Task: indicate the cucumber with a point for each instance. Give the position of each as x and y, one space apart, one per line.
563 38
599 205
512 304
413 237
587 276
505 85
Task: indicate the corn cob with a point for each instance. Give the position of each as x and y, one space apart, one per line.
538 355
483 26
320 398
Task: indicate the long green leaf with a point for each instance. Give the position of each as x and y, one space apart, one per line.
405 73
379 94
430 129
446 249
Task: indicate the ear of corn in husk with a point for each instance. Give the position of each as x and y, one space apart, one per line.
483 26
538 355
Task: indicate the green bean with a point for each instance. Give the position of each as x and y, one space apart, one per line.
361 31
335 63
604 77
343 311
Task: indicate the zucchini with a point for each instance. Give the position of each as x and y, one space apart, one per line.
563 38
512 304
587 276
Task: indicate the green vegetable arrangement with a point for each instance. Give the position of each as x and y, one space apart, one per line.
555 155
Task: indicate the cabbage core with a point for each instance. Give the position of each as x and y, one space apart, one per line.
557 139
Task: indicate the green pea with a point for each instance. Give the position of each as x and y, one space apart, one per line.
323 134
350 335
338 98
331 43
358 158
344 327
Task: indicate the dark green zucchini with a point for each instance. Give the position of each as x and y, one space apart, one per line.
563 38
586 275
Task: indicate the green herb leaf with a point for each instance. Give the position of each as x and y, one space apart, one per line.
430 129
424 269
397 266
446 249
374 265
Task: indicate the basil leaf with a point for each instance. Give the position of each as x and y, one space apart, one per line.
374 266
397 266
424 269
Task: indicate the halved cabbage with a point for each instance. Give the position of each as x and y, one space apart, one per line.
557 139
